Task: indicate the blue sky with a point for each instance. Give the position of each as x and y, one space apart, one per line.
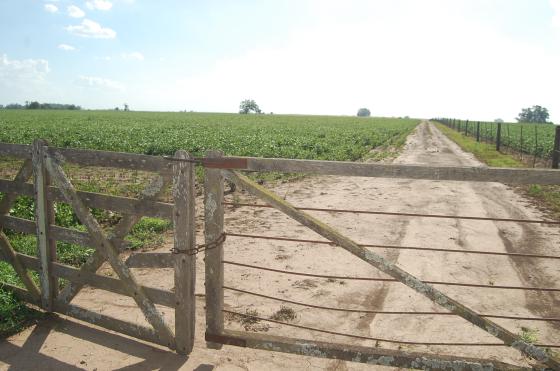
477 59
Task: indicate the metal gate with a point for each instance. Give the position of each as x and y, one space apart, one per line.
220 168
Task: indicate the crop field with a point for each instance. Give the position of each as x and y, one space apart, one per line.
304 137
532 139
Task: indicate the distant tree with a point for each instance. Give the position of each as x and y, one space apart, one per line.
126 107
1 106
499 121
364 112
249 105
535 114
116 108
33 105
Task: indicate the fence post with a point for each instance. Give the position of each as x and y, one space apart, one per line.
44 217
214 227
556 150
478 131
184 234
498 136
467 128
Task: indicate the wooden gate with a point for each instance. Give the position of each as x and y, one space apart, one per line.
219 168
51 184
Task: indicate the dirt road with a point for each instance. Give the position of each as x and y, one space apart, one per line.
63 344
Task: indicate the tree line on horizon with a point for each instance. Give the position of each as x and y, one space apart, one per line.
37 105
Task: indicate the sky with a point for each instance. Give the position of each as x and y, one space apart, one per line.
470 59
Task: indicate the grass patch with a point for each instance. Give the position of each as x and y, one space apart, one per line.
483 151
547 197
284 314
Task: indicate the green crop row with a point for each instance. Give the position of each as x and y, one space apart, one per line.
286 136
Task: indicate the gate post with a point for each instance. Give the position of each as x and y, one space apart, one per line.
478 131
184 243
499 136
213 229
44 217
556 150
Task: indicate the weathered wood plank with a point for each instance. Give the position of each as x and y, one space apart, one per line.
87 157
184 241
214 227
21 294
110 323
17 224
15 150
12 257
122 160
356 353
44 217
125 205
103 244
150 260
10 195
345 168
152 192
110 284
393 270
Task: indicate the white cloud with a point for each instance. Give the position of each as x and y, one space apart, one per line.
425 62
134 55
20 72
75 12
100 83
99 4
89 28
555 5
66 47
51 8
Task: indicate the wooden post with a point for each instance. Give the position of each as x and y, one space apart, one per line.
498 136
478 131
214 227
184 233
556 149
466 127
44 217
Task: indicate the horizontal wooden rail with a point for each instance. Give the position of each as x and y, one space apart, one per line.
150 260
355 353
125 205
98 319
345 168
86 157
110 323
114 285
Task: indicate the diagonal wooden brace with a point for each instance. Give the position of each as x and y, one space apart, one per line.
5 247
393 270
103 244
152 192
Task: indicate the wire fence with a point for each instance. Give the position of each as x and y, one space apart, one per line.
491 286
536 144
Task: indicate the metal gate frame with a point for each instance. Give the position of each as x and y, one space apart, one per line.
50 184
219 168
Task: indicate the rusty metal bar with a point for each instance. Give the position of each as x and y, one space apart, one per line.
397 247
403 342
239 204
384 311
550 289
357 353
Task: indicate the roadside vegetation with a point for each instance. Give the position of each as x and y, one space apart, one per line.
546 196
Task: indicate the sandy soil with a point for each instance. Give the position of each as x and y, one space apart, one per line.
68 344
